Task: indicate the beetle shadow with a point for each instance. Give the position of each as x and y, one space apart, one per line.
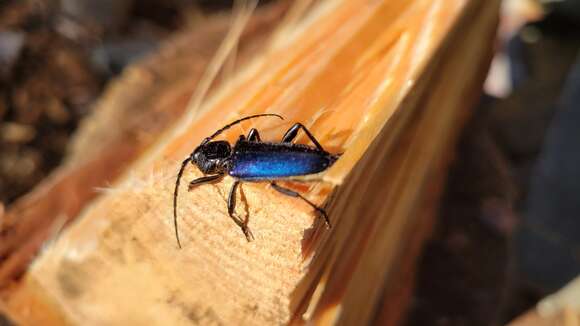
244 200
337 141
241 200
315 235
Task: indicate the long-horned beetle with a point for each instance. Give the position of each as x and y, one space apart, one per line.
254 160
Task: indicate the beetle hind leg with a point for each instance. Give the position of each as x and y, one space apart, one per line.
293 132
231 211
292 193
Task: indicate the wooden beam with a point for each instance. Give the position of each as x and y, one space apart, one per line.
386 82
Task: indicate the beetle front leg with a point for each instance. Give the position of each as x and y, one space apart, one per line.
203 180
293 131
292 193
254 135
232 209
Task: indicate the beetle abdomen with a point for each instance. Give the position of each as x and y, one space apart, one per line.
269 163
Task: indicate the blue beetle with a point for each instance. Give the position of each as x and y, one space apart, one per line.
253 160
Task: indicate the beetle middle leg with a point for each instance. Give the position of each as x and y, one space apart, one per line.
232 209
293 132
292 193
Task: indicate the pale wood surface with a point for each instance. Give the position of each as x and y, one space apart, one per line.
136 109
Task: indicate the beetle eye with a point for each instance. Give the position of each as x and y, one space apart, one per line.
195 156
217 149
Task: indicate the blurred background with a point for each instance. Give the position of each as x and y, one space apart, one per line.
509 227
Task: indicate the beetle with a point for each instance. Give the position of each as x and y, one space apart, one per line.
253 160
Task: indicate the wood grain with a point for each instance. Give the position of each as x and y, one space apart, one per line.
136 109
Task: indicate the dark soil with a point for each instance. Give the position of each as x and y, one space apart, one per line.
55 58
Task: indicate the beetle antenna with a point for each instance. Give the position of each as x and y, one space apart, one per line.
179 174
215 134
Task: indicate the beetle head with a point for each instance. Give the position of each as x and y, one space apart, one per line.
211 157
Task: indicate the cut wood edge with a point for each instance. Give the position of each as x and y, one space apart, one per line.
330 281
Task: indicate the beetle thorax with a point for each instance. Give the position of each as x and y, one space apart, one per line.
212 157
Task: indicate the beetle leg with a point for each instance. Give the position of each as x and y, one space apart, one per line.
293 131
202 180
231 211
253 135
293 193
